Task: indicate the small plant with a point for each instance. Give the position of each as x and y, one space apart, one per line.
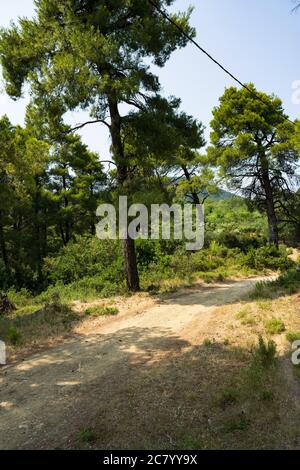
208 343
239 424
264 306
266 353
99 311
13 336
227 398
267 395
292 336
287 283
249 321
242 314
87 436
274 326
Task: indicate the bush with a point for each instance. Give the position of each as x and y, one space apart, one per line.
13 336
268 257
87 436
86 257
274 326
227 398
288 283
292 336
265 354
101 311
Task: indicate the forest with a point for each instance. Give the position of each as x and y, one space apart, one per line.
52 184
99 57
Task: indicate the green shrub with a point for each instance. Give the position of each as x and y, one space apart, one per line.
227 398
86 257
13 336
267 395
241 423
101 311
292 336
268 257
274 326
87 436
265 354
287 283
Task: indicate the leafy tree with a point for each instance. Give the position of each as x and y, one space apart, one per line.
76 181
172 159
91 54
253 149
23 207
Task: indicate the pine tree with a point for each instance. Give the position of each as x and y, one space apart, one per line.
91 54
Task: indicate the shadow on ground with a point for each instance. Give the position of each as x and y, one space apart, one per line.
141 388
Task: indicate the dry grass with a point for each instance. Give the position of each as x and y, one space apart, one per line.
204 390
214 394
35 327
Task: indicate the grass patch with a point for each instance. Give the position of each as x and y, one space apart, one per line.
241 423
31 326
265 354
243 313
267 395
264 305
292 336
227 398
87 436
14 336
274 326
287 284
249 321
98 311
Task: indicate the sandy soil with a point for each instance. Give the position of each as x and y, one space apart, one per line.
46 399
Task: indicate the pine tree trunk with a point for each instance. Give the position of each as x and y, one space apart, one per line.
3 249
194 194
131 270
270 206
272 223
132 276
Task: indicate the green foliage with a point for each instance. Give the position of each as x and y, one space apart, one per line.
274 326
267 395
228 397
86 257
252 144
287 283
265 354
268 257
233 224
292 336
98 311
87 436
241 423
14 336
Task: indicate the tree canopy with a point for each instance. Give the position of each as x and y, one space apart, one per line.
92 55
254 149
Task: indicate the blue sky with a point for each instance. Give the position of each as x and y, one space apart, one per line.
258 40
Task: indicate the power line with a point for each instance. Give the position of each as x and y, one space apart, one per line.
192 40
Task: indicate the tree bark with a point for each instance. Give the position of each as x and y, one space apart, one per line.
194 194
3 249
131 270
270 206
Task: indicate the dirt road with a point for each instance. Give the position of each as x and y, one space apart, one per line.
48 398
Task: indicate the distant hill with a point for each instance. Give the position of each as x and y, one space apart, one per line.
222 195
